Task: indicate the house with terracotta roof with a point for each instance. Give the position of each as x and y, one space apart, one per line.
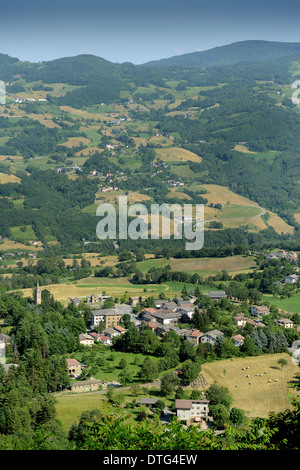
238 340
103 339
120 329
74 368
193 336
96 336
153 326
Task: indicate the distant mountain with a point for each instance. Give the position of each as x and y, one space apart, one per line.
231 54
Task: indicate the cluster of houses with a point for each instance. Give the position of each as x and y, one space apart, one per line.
91 299
188 411
88 339
165 316
258 312
280 254
28 100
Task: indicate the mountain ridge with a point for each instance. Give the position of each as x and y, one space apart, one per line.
231 54
226 54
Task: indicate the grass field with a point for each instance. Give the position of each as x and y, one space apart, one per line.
117 287
92 285
262 397
76 142
23 236
289 305
6 244
236 211
223 195
257 400
4 178
209 266
175 154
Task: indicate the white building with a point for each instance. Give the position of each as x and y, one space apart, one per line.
192 410
2 352
291 279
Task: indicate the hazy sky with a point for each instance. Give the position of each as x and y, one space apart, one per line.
138 31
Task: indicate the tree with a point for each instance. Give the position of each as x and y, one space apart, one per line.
236 415
160 406
109 303
149 371
168 383
220 415
189 371
248 347
282 362
122 363
218 395
125 377
186 351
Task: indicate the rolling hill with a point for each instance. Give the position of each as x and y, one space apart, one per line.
231 54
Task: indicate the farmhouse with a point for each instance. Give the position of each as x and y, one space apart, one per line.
187 310
75 301
285 322
259 310
217 295
193 336
238 340
74 368
96 336
148 401
291 279
86 340
192 410
163 329
211 336
111 332
135 300
240 320
166 305
120 329
166 317
86 385
103 339
153 326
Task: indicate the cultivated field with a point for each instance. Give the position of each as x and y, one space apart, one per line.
223 195
266 393
4 178
6 244
115 287
207 266
76 142
175 154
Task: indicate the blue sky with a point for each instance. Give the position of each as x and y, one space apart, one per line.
138 31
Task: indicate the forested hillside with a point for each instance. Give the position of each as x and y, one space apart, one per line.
159 131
